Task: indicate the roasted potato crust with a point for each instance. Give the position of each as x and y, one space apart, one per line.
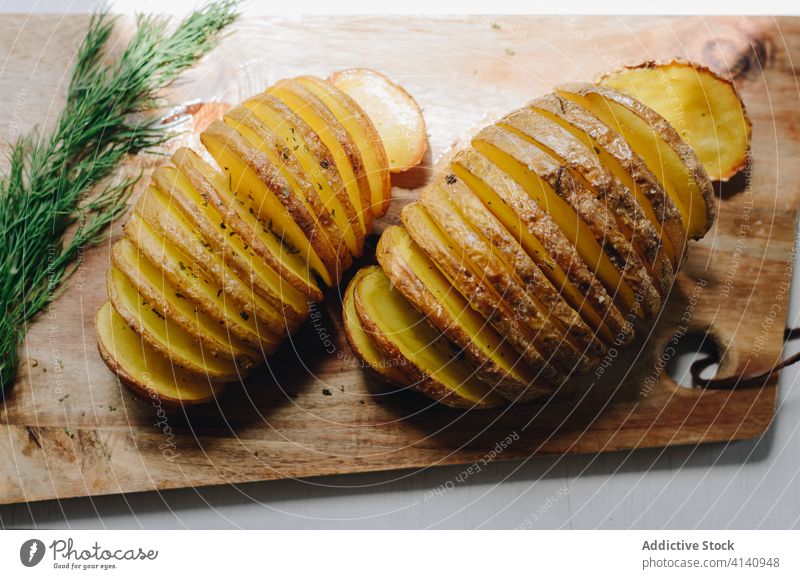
179 269
219 138
480 295
469 205
496 363
154 208
653 196
612 197
627 278
254 233
363 131
285 159
154 288
164 336
588 288
226 243
422 353
711 117
706 205
488 268
343 157
361 342
148 374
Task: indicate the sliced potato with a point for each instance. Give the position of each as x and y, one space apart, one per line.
218 266
610 199
415 276
489 268
363 132
209 297
272 128
226 242
157 210
142 369
702 106
617 156
154 287
544 242
164 335
481 296
396 116
654 140
423 354
255 233
548 185
509 250
253 176
343 156
361 342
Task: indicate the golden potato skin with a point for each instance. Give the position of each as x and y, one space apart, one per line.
534 280
190 164
478 293
517 384
420 379
558 248
667 132
612 143
547 332
715 98
221 260
496 226
171 386
167 299
613 200
605 229
357 209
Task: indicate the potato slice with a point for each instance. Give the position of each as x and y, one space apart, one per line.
279 153
617 156
226 241
702 106
240 215
550 184
489 268
208 296
363 132
165 336
396 116
253 176
295 149
468 204
361 342
656 141
544 242
146 372
609 199
481 296
151 283
157 210
423 354
415 276
343 158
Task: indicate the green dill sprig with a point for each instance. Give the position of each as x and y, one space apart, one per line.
59 194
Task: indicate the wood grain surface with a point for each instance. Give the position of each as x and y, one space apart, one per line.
70 429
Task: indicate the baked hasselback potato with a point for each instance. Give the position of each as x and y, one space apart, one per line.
541 244
222 256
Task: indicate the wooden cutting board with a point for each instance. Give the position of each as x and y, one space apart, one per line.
71 430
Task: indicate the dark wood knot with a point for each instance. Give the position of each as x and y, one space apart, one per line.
737 54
